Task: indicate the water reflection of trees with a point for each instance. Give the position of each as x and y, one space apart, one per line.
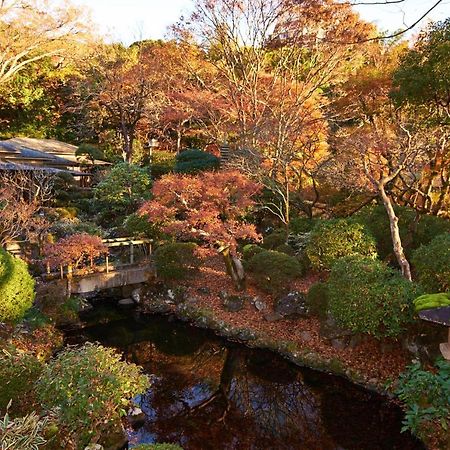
221 399
206 395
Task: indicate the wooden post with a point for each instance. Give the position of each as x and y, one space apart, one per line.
48 268
131 253
107 263
61 270
445 347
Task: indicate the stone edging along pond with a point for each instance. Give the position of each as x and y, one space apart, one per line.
201 317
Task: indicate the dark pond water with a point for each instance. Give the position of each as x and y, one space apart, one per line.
208 394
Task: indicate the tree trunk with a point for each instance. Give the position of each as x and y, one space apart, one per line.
395 234
178 141
234 268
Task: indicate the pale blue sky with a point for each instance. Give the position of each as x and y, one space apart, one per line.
130 20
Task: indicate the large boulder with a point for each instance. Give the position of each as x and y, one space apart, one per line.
291 305
337 336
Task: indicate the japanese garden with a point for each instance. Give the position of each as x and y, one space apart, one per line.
236 236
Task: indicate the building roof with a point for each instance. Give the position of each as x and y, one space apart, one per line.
42 152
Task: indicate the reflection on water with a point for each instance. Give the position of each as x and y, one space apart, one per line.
209 394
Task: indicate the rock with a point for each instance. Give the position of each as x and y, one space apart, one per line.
330 330
136 295
233 303
306 336
126 302
339 343
292 304
94 447
204 290
136 417
258 304
272 317
223 295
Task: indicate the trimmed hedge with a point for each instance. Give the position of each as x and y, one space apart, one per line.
251 250
273 271
273 240
176 260
335 239
194 161
432 263
16 288
367 296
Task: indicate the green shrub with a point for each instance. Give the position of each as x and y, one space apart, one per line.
251 250
273 240
367 296
18 372
426 397
123 189
88 387
22 433
428 228
317 299
273 271
432 264
302 225
139 226
16 288
176 260
64 228
335 239
163 162
376 221
285 248
194 161
157 447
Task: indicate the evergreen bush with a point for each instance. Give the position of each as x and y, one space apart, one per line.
367 296
335 239
273 240
273 271
251 250
16 288
432 263
317 299
176 260
88 388
426 395
193 161
18 373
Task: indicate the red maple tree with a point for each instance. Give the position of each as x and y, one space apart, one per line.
209 207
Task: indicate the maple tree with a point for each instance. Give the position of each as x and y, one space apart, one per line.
209 207
71 251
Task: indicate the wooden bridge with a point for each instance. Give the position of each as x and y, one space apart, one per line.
132 265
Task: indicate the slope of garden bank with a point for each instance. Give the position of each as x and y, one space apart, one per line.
365 361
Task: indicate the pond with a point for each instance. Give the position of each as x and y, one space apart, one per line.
208 393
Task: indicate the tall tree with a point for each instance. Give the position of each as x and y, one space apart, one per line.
31 30
274 60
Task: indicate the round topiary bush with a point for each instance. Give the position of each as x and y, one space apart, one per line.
251 250
273 271
194 161
317 299
335 239
432 264
16 288
285 248
176 260
367 296
273 240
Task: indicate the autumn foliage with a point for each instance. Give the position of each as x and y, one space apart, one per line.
209 207
74 250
